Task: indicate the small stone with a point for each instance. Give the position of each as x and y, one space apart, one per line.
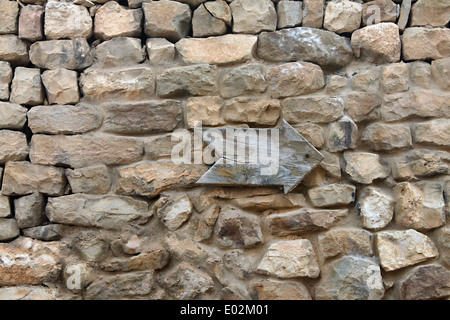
5 207
133 245
160 51
61 86
440 69
273 201
419 205
436 132
376 208
26 87
185 249
395 78
113 20
378 11
342 17
331 164
6 75
237 229
400 249
364 167
204 24
173 213
186 282
30 210
58 119
9 230
161 146
334 194
49 232
206 222
426 163
31 23
426 282
313 13
363 106
387 137
155 259
420 43
252 111
290 259
351 278
10 12
133 4
197 80
314 134
219 9
443 240
253 16
246 79
12 116
430 13
13 50
91 180
220 50
290 14
280 290
379 43
342 135
72 54
312 109
295 78
170 20
13 146
66 20
367 80
338 242
119 52
405 11
237 262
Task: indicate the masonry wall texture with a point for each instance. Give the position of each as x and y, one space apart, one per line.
92 207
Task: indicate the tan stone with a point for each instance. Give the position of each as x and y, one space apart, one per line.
376 208
61 86
334 194
204 24
66 20
254 111
422 43
280 290
313 133
342 17
331 164
118 52
312 109
336 83
430 13
338 242
387 137
10 12
220 10
420 73
26 87
405 11
395 78
290 14
38 293
427 163
313 13
364 167
31 23
13 50
91 180
6 75
246 79
204 227
363 106
13 146
273 201
186 282
154 259
367 79
173 213
160 51
436 132
160 146
227 49
440 69
253 16
206 111
12 116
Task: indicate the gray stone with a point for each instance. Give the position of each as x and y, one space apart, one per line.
440 69
363 106
331 164
376 208
367 79
91 180
246 79
160 51
13 146
5 207
66 20
220 10
395 78
420 73
13 50
204 24
174 213
237 262
426 283
387 137
30 210
289 13
342 135
426 163
334 194
205 224
312 109
186 282
26 87
91 249
9 230
61 86
421 43
345 242
313 13
49 232
253 16
118 52
31 23
6 74
10 12
364 167
12 116
160 146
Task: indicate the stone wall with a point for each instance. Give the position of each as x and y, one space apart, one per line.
92 207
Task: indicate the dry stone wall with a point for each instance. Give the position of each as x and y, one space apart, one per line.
92 207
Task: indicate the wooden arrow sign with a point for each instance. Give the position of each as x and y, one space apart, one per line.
286 165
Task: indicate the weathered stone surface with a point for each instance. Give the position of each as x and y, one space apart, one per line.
66 20
237 229
160 146
430 13
160 51
420 103
387 137
379 11
113 20
30 210
403 18
26 87
198 80
6 74
206 111
363 106
425 163
312 109
127 83
395 78
170 20
342 135
273 201
39 293
376 208
91 180
31 23
334 194
290 14
150 179
12 116
206 222
9 230
265 112
109 211
295 78
379 43
29 262
118 52
5 207
13 50
435 132
49 232
237 262
419 205
61 86
91 248
64 119
304 220
173 213
21 178
420 74
72 54
246 79
440 69
422 43
351 278
367 79
312 132
336 83
10 12
204 24
13 146
426 282
322 47
341 17
122 286
313 13
346 242
443 239
290 259
154 259
142 117
227 49
80 151
220 10
186 282
331 164
253 16
399 249
364 167
280 290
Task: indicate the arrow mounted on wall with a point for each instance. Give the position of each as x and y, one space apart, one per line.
285 164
